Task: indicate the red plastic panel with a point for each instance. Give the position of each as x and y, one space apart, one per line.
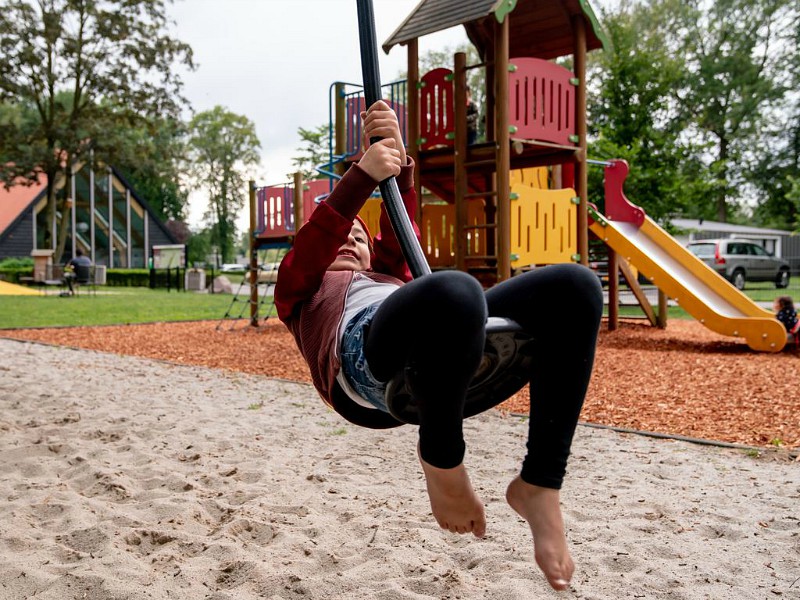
313 193
541 101
275 215
436 108
354 105
618 207
275 206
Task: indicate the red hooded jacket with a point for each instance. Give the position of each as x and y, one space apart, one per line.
310 299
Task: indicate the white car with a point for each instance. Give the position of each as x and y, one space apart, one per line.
233 268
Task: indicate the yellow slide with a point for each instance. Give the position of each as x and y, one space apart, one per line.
695 286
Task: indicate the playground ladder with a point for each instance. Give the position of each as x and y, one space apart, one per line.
242 300
475 242
476 247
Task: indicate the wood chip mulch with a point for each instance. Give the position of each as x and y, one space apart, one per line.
684 380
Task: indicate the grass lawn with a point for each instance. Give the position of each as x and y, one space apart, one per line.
115 306
758 292
764 291
141 305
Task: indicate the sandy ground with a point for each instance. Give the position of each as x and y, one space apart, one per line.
127 478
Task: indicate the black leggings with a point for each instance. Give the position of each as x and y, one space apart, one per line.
435 327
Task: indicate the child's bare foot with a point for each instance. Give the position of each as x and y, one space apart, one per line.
540 508
454 503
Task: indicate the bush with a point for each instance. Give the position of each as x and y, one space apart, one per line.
24 262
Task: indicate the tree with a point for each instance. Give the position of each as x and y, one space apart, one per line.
79 72
775 171
221 145
314 151
152 158
733 76
634 114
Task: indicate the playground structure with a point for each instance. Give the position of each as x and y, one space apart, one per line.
545 112
518 199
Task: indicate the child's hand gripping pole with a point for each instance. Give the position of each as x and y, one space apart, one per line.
403 229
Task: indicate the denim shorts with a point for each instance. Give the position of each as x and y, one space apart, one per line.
354 363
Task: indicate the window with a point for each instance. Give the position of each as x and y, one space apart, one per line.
702 250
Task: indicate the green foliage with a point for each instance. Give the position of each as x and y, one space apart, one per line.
693 95
734 74
24 262
314 151
633 116
150 156
198 247
222 145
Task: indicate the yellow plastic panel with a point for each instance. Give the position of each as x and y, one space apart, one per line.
371 214
543 226
437 234
535 177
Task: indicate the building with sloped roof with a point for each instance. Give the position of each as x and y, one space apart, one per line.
108 220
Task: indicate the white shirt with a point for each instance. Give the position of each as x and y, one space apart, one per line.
363 292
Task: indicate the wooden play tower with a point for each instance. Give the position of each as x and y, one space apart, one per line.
535 114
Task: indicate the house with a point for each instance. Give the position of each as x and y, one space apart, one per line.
108 221
781 243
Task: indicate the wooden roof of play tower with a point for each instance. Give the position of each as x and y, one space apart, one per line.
540 28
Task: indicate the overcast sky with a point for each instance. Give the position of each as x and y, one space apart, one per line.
273 61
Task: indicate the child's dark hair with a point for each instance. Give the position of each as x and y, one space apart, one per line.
785 302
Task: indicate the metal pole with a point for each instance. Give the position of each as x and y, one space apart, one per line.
401 223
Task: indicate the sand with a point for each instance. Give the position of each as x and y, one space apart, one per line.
127 478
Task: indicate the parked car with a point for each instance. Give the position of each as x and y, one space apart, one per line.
740 261
233 268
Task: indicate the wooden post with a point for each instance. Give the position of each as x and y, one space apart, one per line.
253 257
663 307
460 158
581 175
613 290
412 135
340 128
297 205
503 241
490 91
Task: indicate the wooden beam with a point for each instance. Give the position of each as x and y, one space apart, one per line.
412 124
637 290
340 128
251 185
613 290
662 309
503 176
298 202
460 157
581 174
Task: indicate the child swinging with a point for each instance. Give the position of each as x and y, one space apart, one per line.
358 318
